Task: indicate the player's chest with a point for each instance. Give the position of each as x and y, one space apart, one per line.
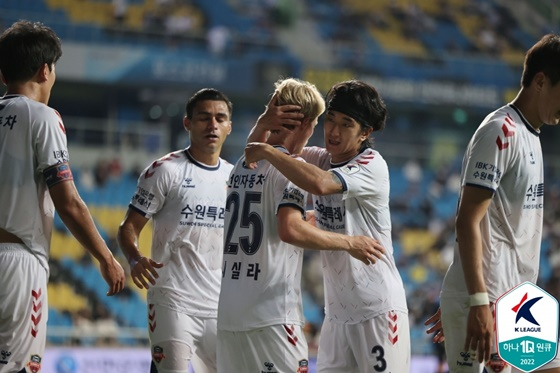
330 212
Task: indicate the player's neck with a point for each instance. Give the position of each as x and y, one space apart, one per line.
30 90
528 106
206 158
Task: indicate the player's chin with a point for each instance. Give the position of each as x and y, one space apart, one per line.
331 148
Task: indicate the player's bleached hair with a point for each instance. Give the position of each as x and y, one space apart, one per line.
24 48
292 91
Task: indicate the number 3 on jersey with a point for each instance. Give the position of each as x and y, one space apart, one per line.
247 219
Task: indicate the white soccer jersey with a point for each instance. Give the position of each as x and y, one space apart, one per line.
505 156
261 283
32 138
186 201
355 292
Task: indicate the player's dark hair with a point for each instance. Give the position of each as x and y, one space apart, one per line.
361 102
543 56
25 47
204 95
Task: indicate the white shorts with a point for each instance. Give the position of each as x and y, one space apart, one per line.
277 348
177 339
454 314
381 344
23 309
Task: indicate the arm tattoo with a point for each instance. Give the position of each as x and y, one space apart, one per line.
338 183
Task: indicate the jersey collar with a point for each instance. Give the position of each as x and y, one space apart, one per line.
201 165
342 164
527 124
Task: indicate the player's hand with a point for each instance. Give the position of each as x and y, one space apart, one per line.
436 328
254 152
480 332
274 117
143 271
366 249
113 274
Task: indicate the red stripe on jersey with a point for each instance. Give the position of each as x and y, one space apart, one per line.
158 163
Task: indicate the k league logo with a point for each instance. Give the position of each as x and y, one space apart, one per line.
527 327
523 309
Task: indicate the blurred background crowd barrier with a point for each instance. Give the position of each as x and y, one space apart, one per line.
130 65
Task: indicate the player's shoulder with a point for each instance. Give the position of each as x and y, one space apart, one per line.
227 166
35 107
165 165
505 116
315 151
37 111
368 160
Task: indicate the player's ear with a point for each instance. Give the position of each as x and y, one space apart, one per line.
186 123
539 80
306 123
230 127
365 133
43 73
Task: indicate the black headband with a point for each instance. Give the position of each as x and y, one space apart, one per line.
346 105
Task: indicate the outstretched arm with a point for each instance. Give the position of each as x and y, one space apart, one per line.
77 218
473 204
293 230
273 118
305 175
142 269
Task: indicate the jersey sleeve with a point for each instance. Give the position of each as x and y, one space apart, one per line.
153 186
287 194
50 139
366 175
489 153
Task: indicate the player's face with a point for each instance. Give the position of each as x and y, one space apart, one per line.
343 136
209 125
549 103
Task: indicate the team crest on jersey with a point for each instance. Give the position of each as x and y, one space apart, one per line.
303 366
158 354
34 363
350 168
496 364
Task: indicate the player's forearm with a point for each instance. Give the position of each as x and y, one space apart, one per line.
305 175
79 222
127 239
470 249
309 237
257 134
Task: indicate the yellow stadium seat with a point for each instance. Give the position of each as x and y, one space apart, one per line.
417 241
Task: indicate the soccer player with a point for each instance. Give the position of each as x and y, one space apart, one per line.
366 325
36 179
260 315
500 215
184 193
